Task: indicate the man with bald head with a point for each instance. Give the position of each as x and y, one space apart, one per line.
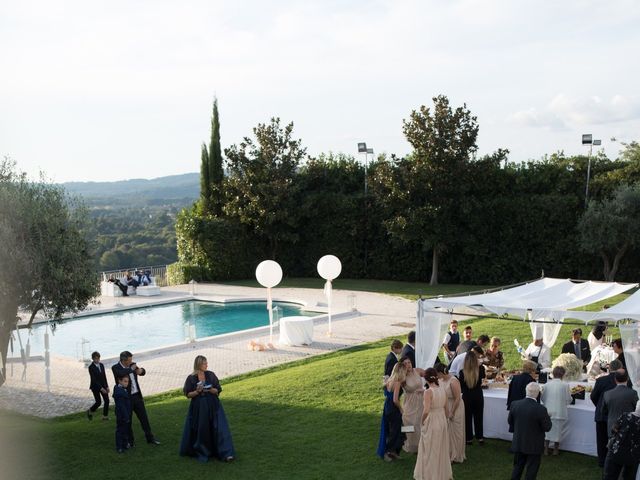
528 420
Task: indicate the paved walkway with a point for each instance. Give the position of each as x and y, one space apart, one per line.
378 316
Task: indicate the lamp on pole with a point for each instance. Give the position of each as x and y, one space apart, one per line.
587 139
362 148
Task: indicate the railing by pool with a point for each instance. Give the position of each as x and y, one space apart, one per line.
158 273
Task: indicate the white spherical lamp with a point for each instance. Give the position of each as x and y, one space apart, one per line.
329 267
269 273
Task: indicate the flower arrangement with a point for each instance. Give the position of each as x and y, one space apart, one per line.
571 364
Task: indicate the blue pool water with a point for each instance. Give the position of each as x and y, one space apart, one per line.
151 327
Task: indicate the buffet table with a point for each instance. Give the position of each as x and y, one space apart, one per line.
578 434
296 331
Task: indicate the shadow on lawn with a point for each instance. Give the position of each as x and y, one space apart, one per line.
273 441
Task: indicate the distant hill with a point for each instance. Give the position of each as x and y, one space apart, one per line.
174 189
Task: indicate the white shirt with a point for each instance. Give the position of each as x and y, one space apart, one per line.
457 364
132 381
543 353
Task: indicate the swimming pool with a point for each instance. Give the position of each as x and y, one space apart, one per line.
152 327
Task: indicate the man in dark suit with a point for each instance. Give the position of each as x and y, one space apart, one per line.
578 346
619 400
518 385
603 384
127 367
409 349
98 386
528 420
392 357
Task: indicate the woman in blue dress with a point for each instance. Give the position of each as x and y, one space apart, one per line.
391 436
206 431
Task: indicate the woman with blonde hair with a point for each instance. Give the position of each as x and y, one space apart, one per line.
471 377
495 358
206 431
391 436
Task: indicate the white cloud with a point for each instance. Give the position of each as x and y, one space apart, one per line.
129 84
565 112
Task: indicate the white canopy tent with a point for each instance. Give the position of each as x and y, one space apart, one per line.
545 300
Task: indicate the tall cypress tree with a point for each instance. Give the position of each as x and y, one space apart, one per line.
216 171
205 182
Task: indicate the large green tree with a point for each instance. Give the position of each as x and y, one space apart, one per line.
46 263
205 182
212 168
216 167
261 189
429 185
610 228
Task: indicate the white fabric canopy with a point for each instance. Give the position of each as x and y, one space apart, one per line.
547 300
539 296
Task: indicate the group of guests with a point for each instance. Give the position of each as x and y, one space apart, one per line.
431 420
443 407
206 431
139 278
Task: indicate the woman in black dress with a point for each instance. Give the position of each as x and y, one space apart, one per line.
206 431
470 378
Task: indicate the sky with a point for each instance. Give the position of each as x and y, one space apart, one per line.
114 90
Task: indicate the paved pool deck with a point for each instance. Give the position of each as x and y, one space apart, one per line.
378 316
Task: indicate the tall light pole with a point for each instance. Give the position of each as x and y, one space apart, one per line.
587 139
362 148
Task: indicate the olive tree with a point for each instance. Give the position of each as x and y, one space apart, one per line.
46 261
611 227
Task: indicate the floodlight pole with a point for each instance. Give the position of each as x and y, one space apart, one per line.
588 140
362 148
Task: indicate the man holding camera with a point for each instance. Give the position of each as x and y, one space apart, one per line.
126 366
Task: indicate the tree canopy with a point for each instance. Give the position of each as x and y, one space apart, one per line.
46 262
610 227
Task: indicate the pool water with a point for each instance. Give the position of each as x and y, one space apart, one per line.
151 327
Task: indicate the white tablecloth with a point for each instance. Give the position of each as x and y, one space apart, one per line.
296 330
578 435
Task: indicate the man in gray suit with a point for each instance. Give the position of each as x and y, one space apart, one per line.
618 400
528 420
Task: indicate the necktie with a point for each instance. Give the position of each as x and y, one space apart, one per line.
577 347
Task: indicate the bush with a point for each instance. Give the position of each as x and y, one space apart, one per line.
179 273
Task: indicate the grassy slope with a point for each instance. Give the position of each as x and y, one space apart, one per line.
316 419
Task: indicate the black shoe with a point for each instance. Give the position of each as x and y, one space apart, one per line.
89 414
154 441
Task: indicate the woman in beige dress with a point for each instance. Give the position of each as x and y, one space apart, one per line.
433 461
412 408
456 413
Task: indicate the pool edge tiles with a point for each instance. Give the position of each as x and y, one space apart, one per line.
251 332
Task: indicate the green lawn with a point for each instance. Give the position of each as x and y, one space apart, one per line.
318 418
409 290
